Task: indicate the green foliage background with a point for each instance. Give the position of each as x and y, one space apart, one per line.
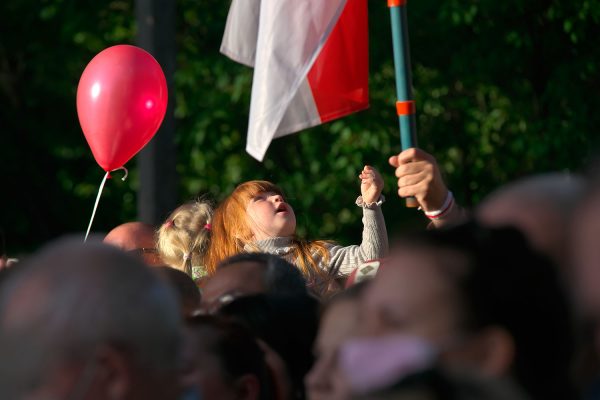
503 89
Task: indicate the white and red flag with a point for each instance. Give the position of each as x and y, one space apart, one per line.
310 60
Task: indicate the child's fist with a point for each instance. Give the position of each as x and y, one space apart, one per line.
371 184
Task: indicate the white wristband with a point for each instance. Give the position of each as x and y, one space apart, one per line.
445 207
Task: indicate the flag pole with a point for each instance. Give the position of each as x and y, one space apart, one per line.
405 105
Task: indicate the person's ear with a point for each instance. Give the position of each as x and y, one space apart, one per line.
495 350
114 373
247 387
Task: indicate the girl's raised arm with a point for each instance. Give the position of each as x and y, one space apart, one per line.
374 243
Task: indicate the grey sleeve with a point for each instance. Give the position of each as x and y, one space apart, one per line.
343 259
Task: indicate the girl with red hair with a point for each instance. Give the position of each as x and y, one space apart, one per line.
256 217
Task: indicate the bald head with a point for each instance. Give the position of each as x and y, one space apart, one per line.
74 305
135 237
540 206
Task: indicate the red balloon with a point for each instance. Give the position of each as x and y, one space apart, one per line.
121 102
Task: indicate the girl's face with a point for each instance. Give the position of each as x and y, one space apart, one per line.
270 216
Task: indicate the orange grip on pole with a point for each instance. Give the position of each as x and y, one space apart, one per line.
405 107
396 3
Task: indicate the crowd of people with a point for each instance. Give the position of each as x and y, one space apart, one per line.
225 301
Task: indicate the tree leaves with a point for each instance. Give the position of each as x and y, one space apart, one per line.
503 89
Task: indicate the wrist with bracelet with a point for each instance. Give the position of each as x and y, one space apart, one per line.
444 210
361 203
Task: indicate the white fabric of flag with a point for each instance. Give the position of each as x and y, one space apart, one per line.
281 39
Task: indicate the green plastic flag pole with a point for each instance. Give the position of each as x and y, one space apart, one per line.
405 105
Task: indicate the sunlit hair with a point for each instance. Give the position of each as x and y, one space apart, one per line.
183 238
231 231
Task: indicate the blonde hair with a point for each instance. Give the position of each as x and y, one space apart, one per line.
183 238
231 232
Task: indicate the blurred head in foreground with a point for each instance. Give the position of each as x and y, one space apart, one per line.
287 325
251 273
483 299
540 206
225 361
339 322
88 322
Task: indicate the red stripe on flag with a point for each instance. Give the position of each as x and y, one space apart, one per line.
339 78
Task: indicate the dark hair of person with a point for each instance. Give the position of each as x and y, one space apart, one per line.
287 324
184 286
502 282
236 348
280 276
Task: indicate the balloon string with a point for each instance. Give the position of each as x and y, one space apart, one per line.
126 172
96 206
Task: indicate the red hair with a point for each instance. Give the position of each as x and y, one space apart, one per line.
231 232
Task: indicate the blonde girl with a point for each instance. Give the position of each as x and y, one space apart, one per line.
183 238
256 217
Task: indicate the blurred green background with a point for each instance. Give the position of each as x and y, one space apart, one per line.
503 89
